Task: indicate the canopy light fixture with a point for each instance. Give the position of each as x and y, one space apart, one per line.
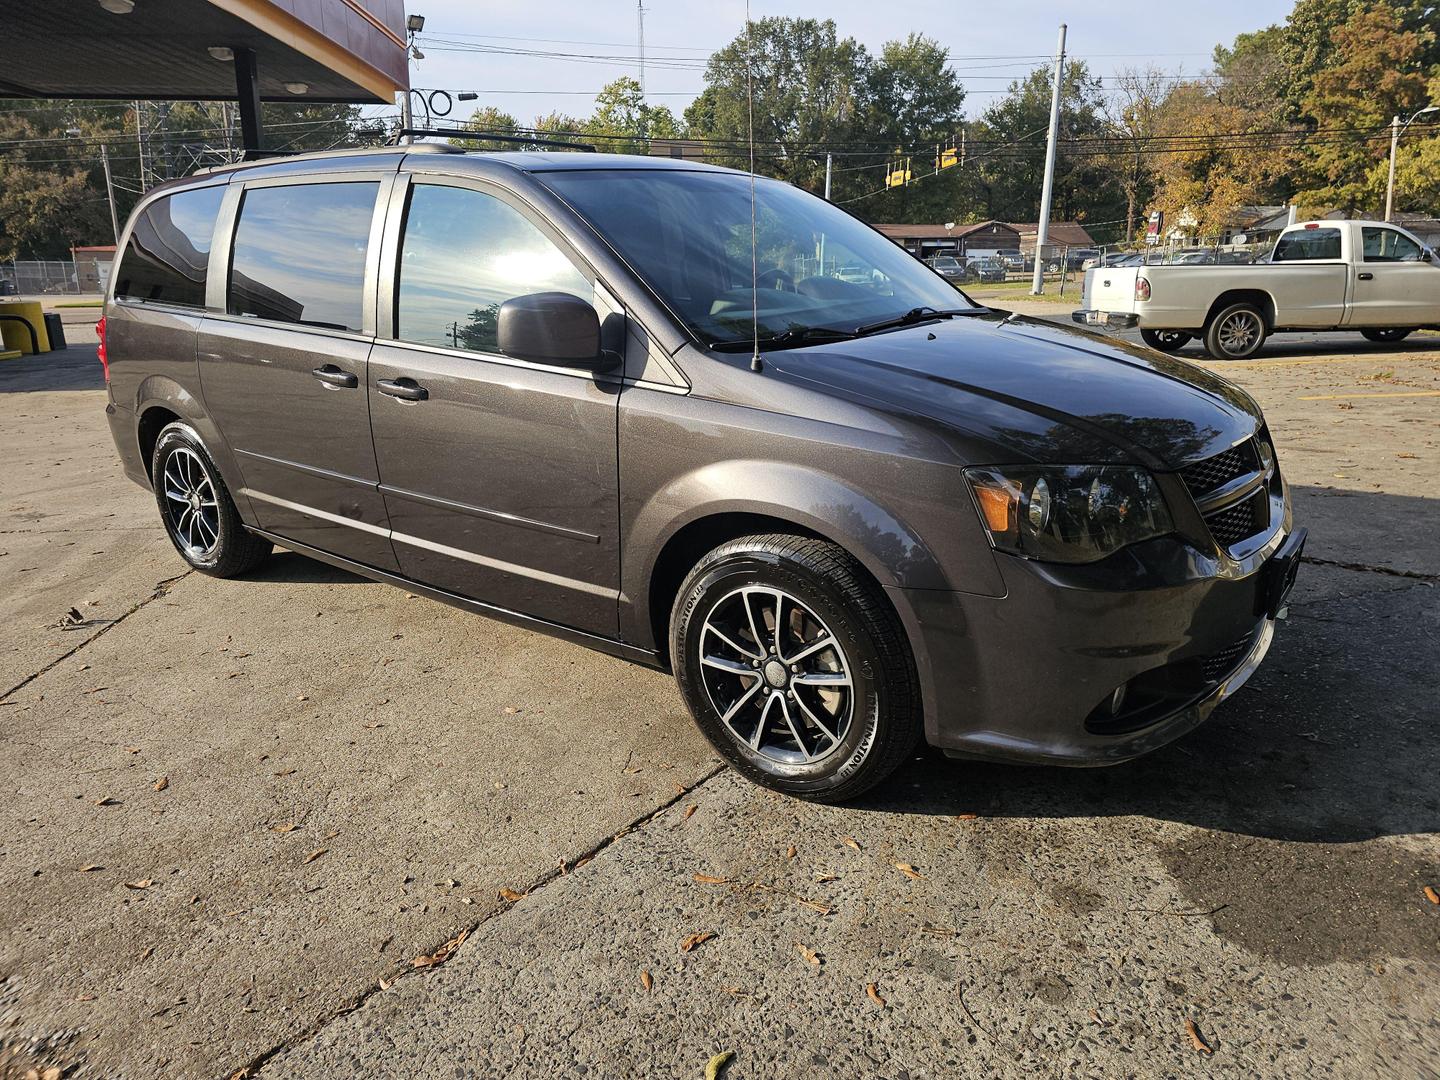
297 88
118 7
221 52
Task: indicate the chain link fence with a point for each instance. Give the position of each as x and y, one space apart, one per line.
49 277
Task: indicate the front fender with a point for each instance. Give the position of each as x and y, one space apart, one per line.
890 548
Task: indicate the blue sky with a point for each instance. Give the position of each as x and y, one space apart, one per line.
997 41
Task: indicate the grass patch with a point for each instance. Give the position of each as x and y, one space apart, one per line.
82 303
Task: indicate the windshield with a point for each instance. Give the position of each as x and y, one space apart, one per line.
688 235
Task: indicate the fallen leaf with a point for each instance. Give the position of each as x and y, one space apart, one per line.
289 826
386 985
1196 1040
810 955
90 867
54 1072
966 817
707 879
874 992
84 997
107 801
315 854
679 789
814 905
285 772
162 783
132 749
695 939
716 1063
1431 894
908 870
822 878
646 981
689 810
509 895
143 883
790 852
1095 1018
440 955
850 841
938 931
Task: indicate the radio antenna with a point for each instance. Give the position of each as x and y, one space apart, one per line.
756 364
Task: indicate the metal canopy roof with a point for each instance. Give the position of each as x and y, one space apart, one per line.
342 50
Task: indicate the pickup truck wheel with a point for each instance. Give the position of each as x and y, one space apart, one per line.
1236 333
1387 333
1165 340
795 666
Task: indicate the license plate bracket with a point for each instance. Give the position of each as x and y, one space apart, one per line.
1277 576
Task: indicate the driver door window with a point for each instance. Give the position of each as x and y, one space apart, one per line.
465 254
1387 245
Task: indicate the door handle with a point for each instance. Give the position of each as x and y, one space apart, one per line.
1365 275
405 389
331 375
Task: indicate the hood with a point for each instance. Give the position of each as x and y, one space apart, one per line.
1037 391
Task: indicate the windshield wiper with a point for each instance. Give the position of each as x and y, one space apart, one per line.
913 316
799 335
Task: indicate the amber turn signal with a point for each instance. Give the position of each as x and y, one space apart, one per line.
996 503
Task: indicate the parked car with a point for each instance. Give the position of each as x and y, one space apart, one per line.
988 268
1367 276
1070 258
550 389
1012 258
950 268
7 287
1112 258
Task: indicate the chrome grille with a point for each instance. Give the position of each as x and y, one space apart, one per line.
1237 521
1220 664
1205 476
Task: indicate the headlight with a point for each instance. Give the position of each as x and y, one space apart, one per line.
1068 513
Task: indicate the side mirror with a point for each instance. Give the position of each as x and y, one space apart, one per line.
551 328
1426 255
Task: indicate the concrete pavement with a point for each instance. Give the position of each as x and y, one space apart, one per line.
1262 879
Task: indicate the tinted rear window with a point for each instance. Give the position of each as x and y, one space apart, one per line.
169 249
1308 244
299 254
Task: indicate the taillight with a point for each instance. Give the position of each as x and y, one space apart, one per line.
1142 288
100 352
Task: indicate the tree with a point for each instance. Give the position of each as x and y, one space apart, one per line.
1132 112
488 118
1012 164
810 92
625 123
1377 70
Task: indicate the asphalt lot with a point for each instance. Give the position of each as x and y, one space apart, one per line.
352 776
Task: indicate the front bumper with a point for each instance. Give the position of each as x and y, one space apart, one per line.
1031 676
1111 320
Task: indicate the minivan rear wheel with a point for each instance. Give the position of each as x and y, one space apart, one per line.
199 514
795 666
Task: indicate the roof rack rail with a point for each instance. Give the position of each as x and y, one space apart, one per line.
491 136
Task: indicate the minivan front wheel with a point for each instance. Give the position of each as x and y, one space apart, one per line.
795 667
199 514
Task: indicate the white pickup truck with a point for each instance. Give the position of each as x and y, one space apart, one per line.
1366 276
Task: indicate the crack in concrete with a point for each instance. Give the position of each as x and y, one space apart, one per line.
255 1064
1364 569
162 588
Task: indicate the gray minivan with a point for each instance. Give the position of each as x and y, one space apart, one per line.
651 407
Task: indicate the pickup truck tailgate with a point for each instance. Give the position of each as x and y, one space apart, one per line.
1110 288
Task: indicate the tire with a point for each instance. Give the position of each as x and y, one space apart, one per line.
1165 340
827 743
1385 334
1236 333
196 508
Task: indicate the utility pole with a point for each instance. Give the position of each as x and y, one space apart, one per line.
1390 184
1042 232
110 191
640 37
828 161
